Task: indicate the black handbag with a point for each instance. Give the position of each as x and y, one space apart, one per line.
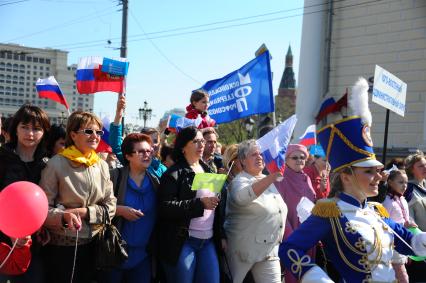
110 248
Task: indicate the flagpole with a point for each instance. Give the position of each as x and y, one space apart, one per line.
123 48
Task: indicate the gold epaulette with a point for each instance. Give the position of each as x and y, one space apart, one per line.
326 208
379 208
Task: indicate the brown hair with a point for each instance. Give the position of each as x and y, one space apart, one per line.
392 176
411 160
336 182
29 114
129 143
77 120
197 95
208 131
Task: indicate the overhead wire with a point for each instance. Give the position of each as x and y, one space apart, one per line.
87 17
143 37
162 53
14 2
87 44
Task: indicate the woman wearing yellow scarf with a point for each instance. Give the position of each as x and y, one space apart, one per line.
79 190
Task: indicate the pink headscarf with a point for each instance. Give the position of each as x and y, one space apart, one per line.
294 147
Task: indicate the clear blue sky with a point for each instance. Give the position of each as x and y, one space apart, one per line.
165 69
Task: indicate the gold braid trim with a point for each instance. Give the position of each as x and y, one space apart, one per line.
326 208
380 209
351 145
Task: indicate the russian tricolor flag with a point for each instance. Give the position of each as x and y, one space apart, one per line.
274 144
178 122
309 137
49 88
91 78
104 143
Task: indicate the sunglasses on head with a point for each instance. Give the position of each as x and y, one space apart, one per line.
90 132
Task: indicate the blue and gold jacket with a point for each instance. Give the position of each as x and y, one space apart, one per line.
358 238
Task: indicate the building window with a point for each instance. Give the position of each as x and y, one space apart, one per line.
42 60
35 59
29 59
47 61
47 69
22 57
16 56
9 55
41 67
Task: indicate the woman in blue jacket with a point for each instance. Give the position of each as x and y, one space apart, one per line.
135 188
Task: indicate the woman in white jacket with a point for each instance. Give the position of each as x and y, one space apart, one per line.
255 219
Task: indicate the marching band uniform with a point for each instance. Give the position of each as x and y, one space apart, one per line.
357 237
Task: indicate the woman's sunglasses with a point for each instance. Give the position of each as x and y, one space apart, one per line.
90 132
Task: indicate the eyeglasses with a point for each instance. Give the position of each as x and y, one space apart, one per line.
142 152
200 141
90 132
295 158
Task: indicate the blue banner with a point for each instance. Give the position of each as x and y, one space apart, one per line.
244 92
115 67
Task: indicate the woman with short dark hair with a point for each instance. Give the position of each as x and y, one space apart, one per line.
135 188
22 159
188 225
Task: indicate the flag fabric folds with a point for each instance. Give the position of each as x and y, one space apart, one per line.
178 122
274 144
309 137
242 93
104 143
91 78
49 88
331 106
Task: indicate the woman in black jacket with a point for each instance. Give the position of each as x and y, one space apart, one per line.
22 159
188 226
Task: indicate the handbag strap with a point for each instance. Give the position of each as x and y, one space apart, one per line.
105 214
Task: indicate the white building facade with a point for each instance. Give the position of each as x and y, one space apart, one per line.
354 37
20 67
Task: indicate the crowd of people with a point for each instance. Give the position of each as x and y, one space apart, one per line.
252 231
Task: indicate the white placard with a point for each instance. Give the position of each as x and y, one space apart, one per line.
304 209
389 91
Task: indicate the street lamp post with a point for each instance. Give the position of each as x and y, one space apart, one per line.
145 113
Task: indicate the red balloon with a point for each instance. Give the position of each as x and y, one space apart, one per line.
23 209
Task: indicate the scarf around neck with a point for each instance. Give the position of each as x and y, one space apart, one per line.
73 154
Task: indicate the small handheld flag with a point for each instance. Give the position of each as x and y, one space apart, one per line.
309 137
92 78
49 88
274 144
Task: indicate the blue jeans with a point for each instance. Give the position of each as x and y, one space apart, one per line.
141 273
197 263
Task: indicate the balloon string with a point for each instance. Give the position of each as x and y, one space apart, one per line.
75 256
10 252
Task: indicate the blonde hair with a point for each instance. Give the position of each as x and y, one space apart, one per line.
77 120
230 154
